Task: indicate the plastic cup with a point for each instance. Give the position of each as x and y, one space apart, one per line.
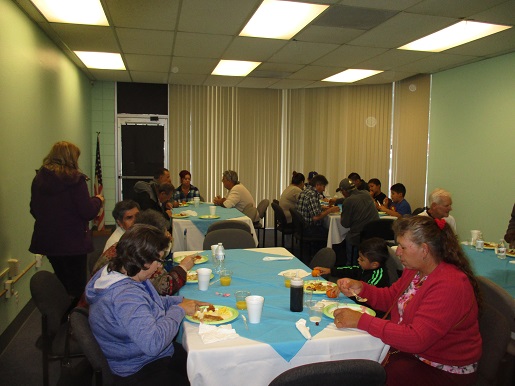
204 276
308 296
474 234
316 310
287 279
196 201
241 304
255 307
212 210
225 277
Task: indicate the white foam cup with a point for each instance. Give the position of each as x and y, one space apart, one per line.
474 234
196 201
212 210
255 307
204 275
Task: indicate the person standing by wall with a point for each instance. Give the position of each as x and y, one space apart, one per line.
62 207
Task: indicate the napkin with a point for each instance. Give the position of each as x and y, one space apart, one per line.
300 272
301 326
189 212
212 334
274 258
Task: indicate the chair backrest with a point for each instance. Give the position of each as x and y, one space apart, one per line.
279 215
88 343
262 207
417 211
502 301
378 228
349 372
251 212
393 266
51 298
229 224
495 333
298 221
275 201
231 239
325 257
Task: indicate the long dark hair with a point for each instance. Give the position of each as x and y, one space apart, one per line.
140 245
443 244
297 178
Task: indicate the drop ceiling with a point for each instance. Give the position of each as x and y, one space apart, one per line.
182 41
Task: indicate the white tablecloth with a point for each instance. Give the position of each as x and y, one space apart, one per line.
194 239
249 362
337 232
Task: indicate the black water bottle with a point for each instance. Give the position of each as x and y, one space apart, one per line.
296 294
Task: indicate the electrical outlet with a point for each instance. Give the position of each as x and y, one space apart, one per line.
39 259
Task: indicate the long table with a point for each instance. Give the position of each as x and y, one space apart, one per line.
486 263
267 349
189 233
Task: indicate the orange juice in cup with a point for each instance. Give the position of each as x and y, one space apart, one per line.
241 304
225 277
287 279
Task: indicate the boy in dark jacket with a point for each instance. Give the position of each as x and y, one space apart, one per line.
372 256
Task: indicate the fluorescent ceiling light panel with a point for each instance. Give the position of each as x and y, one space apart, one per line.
455 35
234 68
281 19
72 11
101 60
351 75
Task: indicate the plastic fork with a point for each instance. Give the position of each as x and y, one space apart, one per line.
245 321
358 298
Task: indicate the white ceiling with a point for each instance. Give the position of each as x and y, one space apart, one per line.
181 41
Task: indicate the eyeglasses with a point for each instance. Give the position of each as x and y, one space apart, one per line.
160 261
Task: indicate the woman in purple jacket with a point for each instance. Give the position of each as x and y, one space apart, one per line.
62 207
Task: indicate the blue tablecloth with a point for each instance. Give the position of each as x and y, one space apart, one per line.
203 209
277 327
486 264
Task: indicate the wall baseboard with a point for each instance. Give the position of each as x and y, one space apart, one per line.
11 331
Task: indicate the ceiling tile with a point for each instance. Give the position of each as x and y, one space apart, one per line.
117 76
392 58
397 5
194 65
302 52
501 14
335 35
181 78
200 45
291 83
219 17
140 41
347 56
456 9
251 82
153 15
436 62
314 73
254 49
224 81
153 63
87 37
149 77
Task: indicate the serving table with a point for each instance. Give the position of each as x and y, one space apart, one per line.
189 232
267 349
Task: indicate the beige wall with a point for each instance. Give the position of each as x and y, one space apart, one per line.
43 98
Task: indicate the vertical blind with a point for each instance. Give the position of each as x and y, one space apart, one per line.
266 134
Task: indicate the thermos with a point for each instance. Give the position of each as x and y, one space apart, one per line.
296 294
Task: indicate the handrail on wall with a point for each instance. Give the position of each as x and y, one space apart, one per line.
16 278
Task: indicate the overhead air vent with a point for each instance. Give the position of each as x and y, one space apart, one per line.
353 17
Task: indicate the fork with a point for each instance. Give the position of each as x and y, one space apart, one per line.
358 298
245 321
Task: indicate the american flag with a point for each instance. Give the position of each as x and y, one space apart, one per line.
98 186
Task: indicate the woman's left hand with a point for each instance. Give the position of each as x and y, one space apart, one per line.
187 263
346 318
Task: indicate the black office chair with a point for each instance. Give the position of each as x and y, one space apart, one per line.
230 238
326 257
378 228
88 343
349 372
299 226
261 209
281 224
417 211
229 224
57 341
503 302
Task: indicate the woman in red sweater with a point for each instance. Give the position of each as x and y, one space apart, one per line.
434 330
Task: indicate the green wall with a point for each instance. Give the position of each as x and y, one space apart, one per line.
472 143
44 98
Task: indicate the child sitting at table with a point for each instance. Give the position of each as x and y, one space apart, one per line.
372 256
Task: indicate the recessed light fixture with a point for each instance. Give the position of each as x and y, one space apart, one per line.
351 75
234 67
101 60
276 19
72 11
455 35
